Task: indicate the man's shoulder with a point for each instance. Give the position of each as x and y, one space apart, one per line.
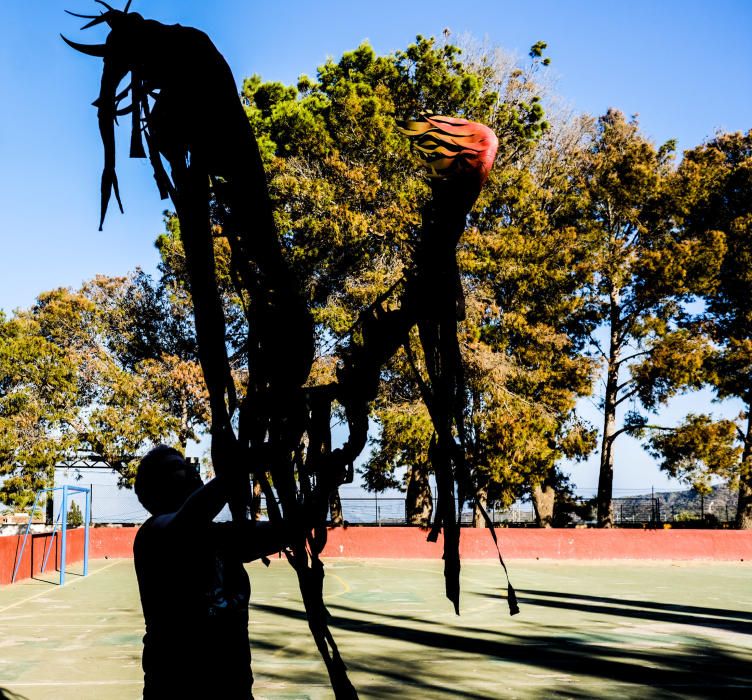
153 528
162 530
142 534
145 526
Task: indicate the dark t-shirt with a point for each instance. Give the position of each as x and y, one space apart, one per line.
194 594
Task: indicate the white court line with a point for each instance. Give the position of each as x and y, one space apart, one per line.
76 613
42 684
58 588
12 625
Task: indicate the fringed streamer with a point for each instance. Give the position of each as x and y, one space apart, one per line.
514 608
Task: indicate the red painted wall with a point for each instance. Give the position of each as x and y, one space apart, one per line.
111 542
528 543
410 543
33 556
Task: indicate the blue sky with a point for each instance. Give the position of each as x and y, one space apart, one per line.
683 66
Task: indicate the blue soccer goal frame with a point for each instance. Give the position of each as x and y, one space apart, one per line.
62 518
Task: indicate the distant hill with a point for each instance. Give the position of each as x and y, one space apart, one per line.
721 503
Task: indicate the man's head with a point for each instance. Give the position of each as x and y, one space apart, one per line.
165 480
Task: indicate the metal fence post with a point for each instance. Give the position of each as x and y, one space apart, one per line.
652 506
23 545
63 530
87 515
49 546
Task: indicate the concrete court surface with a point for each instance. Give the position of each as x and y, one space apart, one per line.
586 630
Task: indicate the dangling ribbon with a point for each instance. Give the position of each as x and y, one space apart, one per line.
514 608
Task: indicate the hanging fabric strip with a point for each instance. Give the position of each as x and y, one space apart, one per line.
514 608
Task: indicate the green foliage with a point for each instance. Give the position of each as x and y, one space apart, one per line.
677 360
347 188
697 450
713 200
642 275
715 193
685 516
536 52
524 267
405 431
109 369
584 250
75 518
348 197
149 385
37 401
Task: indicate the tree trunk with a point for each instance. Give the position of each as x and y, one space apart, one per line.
482 496
183 431
48 506
744 508
418 499
606 475
256 500
544 497
335 509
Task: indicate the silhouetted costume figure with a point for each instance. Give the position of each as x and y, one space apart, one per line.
185 107
194 589
459 155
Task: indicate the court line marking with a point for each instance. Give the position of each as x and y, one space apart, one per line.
345 586
59 588
38 684
75 613
91 626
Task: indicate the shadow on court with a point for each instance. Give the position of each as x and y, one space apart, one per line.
725 619
676 670
640 642
585 631
619 603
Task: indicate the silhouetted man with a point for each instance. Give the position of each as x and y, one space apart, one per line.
194 588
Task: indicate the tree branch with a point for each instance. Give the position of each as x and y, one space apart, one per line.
626 382
633 355
618 432
598 346
626 396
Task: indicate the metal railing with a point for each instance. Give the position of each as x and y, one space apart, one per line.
378 510
633 511
111 504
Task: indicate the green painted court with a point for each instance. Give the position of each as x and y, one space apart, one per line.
586 630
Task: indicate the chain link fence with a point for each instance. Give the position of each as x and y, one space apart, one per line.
113 505
379 510
630 511
634 511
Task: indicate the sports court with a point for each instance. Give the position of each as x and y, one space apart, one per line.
586 630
